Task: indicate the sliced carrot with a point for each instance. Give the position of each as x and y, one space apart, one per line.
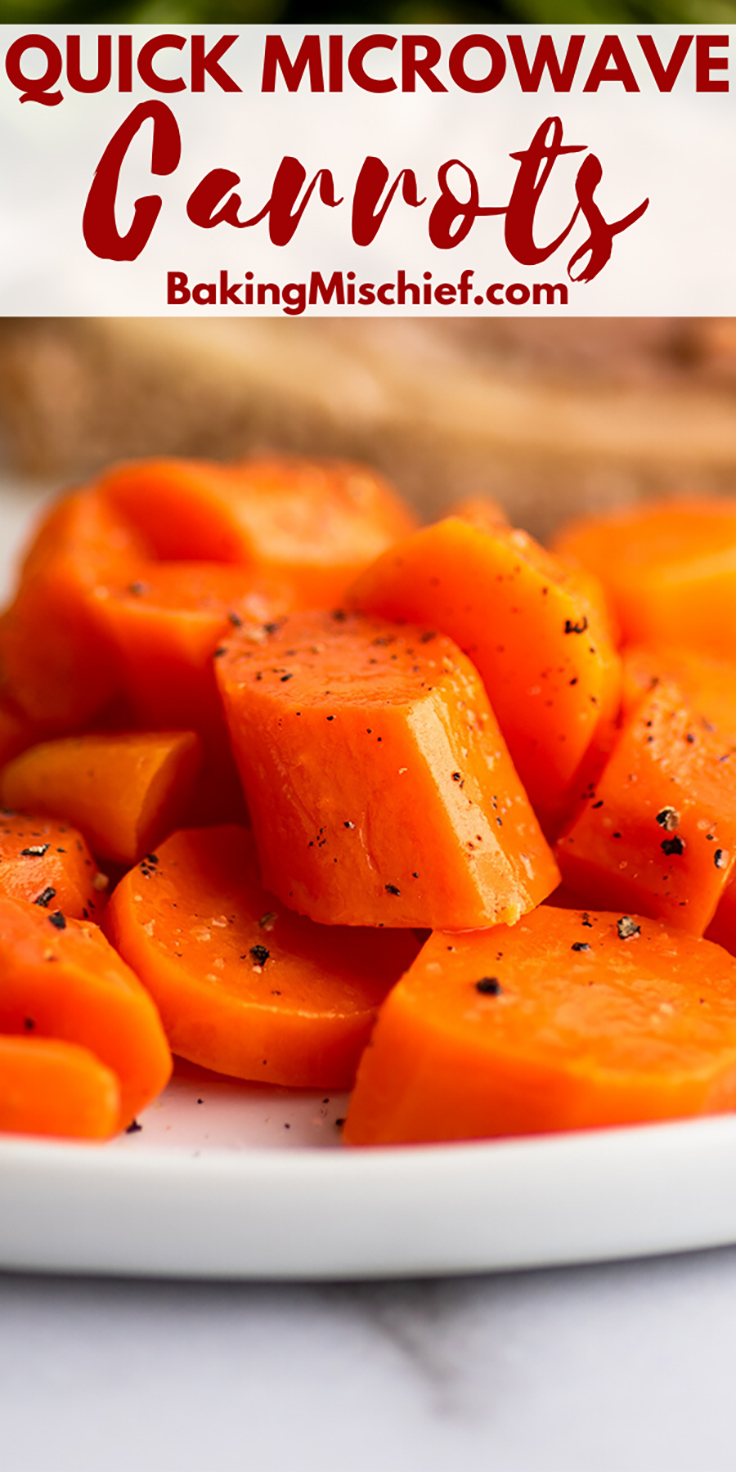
16 732
125 791
669 568
540 641
53 1088
318 522
483 512
313 523
49 864
657 833
707 683
379 786
165 628
60 978
243 985
568 1020
184 509
56 661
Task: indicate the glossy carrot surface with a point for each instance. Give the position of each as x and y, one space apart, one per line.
380 789
243 985
568 1020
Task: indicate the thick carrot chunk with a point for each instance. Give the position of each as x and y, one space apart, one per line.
60 978
315 523
124 791
53 1088
669 568
49 864
539 639
657 833
243 985
707 683
318 522
379 786
56 661
566 1021
165 627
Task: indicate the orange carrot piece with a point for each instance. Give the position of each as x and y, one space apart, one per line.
669 568
243 985
657 833
318 522
539 640
379 786
569 1020
165 628
312 523
62 979
49 864
708 684
481 511
184 509
53 1088
16 732
57 663
125 791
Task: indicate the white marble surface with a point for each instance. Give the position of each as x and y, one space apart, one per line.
620 1368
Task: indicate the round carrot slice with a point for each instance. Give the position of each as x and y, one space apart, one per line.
60 978
49 864
53 1088
243 985
568 1020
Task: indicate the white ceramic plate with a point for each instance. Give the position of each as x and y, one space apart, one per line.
252 1182
229 1180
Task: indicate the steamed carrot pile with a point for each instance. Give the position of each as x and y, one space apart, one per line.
309 795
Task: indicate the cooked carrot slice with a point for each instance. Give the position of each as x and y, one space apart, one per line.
125 791
541 643
56 661
669 568
184 509
657 833
318 522
481 511
314 523
60 978
49 864
243 985
53 1088
165 628
379 786
16 732
568 1020
708 684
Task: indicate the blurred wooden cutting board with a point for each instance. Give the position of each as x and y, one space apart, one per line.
545 415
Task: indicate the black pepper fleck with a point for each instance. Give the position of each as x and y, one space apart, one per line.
57 920
720 858
391 889
581 945
576 628
45 897
489 986
260 954
669 819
